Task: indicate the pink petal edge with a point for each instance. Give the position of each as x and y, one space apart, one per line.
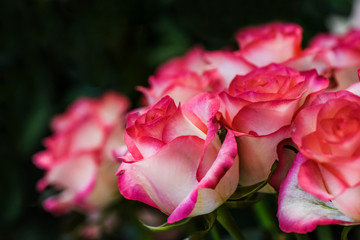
224 161
300 211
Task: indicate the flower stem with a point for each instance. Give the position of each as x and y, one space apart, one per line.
345 232
215 233
266 217
228 222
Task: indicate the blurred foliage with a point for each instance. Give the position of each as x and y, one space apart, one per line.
53 51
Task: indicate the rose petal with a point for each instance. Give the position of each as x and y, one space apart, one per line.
228 65
286 152
76 174
300 211
274 42
257 154
111 108
311 178
348 202
215 187
277 114
141 180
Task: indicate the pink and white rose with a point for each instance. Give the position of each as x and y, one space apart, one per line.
259 107
327 134
176 161
328 165
269 43
78 157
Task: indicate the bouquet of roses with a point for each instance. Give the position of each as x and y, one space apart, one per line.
218 129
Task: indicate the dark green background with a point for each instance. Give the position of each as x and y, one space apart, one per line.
53 51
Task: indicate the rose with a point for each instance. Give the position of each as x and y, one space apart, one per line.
198 71
270 43
259 108
323 185
327 134
78 157
176 161
334 56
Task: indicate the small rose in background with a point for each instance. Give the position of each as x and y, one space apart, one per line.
259 108
78 157
176 162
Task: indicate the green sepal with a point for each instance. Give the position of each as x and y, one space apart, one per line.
200 225
245 202
167 226
208 222
246 191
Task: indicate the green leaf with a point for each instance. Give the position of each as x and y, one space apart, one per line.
246 191
208 221
345 232
167 226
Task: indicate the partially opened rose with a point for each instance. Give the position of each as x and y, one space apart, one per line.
269 43
259 108
176 161
78 156
196 72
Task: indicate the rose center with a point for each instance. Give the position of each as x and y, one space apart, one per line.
154 114
344 127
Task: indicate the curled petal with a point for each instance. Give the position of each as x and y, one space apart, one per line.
215 187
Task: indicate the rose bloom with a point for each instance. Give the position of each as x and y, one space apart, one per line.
337 57
259 108
197 71
269 43
327 134
78 156
176 161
